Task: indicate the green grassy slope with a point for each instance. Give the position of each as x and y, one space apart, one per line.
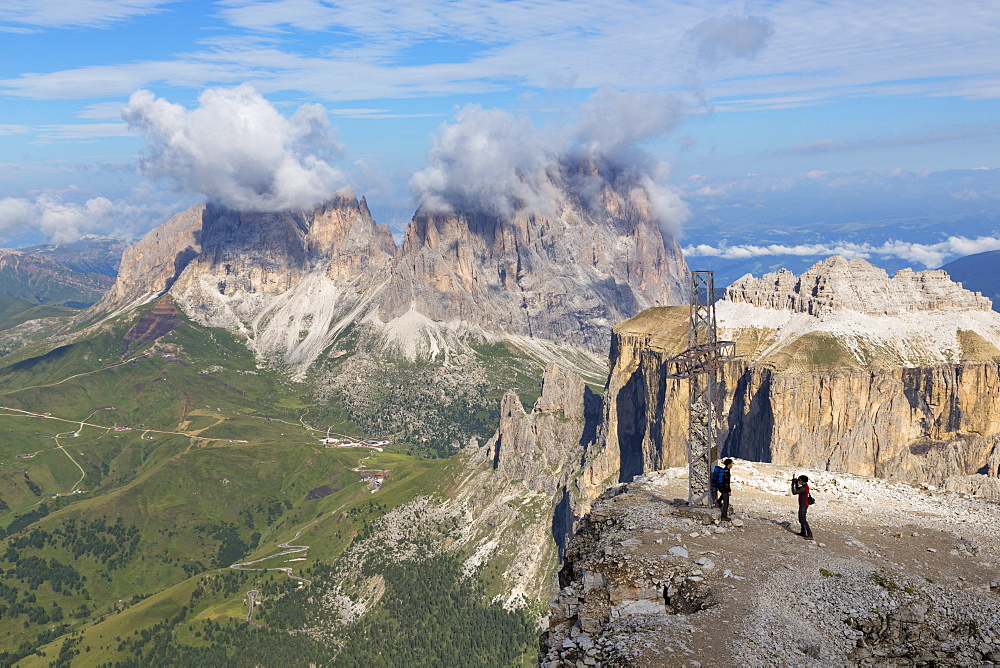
41 280
127 488
14 311
434 408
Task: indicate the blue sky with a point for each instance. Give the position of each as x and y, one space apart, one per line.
789 121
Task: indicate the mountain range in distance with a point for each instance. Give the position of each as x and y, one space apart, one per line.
102 255
913 225
978 272
91 254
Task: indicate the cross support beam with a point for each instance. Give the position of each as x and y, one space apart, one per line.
699 363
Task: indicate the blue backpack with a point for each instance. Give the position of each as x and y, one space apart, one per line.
718 473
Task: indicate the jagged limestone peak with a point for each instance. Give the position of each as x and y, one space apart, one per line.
565 275
839 284
543 447
289 282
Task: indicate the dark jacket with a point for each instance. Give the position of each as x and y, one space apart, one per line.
802 490
723 486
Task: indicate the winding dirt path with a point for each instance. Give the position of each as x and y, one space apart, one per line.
251 599
83 474
288 548
84 423
19 412
77 375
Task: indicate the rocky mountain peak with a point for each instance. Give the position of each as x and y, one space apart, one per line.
838 284
542 447
271 251
290 280
151 265
565 392
566 276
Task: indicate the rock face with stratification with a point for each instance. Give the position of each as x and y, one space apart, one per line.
911 396
151 265
564 277
544 447
156 324
287 281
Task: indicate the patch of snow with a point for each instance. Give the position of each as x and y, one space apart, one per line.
910 339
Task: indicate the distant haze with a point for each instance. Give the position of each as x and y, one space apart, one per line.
979 273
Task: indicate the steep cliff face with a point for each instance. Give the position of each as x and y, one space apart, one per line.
545 448
287 281
269 253
629 441
565 277
908 396
152 264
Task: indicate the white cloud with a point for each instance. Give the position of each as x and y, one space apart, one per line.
374 113
817 51
492 161
15 212
611 123
237 149
388 20
82 131
916 139
101 111
719 39
929 255
60 221
33 15
488 160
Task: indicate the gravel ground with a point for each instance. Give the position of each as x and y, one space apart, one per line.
899 574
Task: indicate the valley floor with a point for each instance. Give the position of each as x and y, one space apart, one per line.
899 574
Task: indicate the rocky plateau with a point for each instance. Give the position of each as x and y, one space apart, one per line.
838 284
898 574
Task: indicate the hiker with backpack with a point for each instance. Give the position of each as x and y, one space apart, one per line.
800 488
721 484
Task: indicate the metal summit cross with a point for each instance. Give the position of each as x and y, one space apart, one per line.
699 363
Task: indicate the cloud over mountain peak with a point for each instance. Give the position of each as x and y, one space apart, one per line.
237 149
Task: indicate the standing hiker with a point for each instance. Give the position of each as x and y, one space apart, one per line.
800 487
722 485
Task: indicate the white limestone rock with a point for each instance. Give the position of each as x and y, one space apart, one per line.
838 284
